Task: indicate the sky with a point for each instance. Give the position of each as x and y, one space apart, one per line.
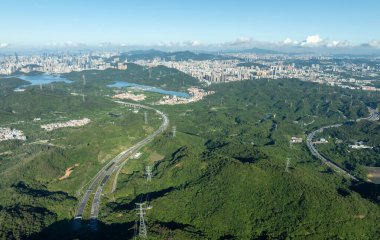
192 23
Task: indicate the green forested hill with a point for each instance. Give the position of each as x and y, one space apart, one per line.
160 76
221 177
31 195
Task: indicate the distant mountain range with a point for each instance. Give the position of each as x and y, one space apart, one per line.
255 51
174 56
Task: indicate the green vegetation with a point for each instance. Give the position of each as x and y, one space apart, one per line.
221 177
32 196
7 85
161 76
355 160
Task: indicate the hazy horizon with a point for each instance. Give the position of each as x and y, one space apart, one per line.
297 26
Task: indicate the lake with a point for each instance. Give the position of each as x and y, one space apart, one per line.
121 84
42 79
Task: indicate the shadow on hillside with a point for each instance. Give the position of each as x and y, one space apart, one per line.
142 198
164 229
73 229
23 188
368 190
69 229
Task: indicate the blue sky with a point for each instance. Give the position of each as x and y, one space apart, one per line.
192 22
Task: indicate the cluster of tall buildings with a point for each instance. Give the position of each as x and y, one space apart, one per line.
347 73
210 71
57 63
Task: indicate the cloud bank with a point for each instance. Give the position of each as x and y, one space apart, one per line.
3 44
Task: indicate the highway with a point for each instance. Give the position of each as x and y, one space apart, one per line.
326 161
101 178
373 116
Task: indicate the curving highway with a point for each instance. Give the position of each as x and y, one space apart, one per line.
373 116
326 161
101 178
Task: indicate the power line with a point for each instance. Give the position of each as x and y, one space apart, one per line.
142 226
148 172
287 165
135 230
174 130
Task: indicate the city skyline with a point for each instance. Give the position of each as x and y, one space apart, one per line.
197 25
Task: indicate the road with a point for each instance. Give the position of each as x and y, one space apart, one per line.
101 178
373 116
326 161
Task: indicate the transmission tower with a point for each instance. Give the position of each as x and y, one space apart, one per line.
40 86
287 165
148 172
174 130
150 73
142 226
84 79
146 117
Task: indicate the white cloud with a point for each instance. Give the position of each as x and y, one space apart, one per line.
4 45
241 41
313 41
289 41
316 40
339 44
105 44
166 44
196 43
374 43
70 44
333 44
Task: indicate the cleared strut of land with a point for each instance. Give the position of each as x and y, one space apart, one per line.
100 179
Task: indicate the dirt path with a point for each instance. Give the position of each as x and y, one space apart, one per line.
68 172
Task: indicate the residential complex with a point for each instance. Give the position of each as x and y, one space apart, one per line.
72 123
11 134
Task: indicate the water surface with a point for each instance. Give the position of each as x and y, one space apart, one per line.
121 84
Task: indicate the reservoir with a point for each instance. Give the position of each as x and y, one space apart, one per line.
42 79
121 84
